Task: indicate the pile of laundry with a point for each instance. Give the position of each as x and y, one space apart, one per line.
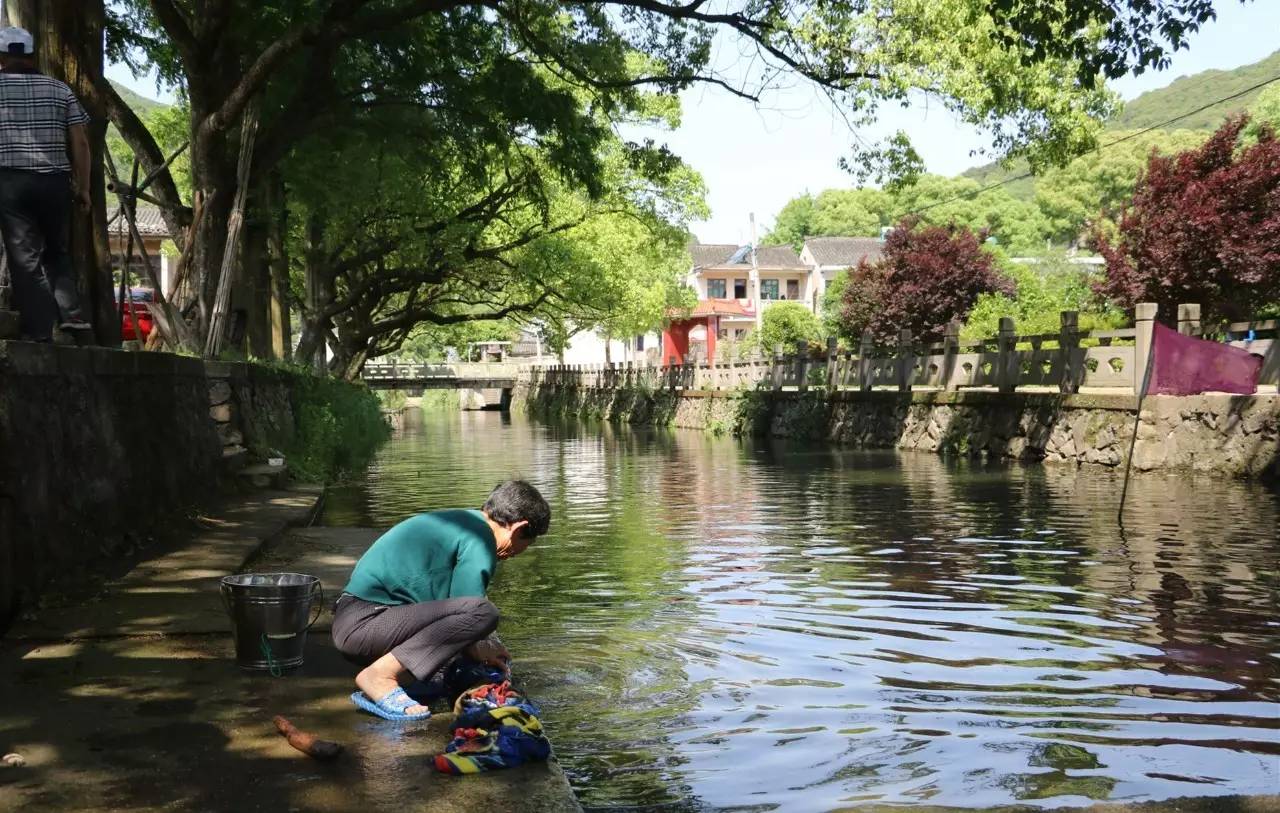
497 727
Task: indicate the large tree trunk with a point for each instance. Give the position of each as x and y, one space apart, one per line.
256 272
319 294
69 47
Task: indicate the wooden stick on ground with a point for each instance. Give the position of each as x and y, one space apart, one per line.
323 750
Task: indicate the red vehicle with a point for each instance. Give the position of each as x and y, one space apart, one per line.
140 304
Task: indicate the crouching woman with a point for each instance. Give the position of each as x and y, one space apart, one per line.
417 598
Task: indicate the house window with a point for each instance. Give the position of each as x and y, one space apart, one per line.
639 345
715 289
793 289
738 333
739 288
768 289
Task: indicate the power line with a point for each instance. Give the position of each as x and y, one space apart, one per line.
1100 147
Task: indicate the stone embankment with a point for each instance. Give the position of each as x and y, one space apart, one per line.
100 450
1234 435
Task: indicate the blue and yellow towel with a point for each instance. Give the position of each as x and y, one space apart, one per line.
496 728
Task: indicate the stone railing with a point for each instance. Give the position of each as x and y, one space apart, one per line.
1067 361
457 370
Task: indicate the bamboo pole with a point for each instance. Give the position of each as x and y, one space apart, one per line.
222 302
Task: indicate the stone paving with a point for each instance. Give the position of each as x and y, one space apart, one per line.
133 702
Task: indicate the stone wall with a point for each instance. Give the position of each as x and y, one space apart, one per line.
1234 435
100 449
251 408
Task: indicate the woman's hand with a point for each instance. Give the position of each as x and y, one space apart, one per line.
492 653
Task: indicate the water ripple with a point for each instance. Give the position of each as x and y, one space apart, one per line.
774 626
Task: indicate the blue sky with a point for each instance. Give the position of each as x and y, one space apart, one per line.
755 159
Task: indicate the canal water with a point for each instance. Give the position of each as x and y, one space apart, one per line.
715 624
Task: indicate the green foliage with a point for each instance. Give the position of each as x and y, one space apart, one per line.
391 399
788 323
1015 224
428 342
1094 186
1042 291
168 125
338 426
832 302
1264 112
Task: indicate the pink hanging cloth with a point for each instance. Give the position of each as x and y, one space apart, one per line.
1183 365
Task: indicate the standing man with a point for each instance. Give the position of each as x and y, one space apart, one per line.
44 157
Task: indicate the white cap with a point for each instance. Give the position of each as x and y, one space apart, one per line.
14 40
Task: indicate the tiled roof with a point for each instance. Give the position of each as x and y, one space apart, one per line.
777 257
150 223
705 254
843 251
722 254
721 307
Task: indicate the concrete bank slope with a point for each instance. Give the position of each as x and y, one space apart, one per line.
134 702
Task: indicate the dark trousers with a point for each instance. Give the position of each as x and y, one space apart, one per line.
423 637
35 220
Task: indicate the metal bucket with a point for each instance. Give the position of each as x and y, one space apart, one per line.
270 615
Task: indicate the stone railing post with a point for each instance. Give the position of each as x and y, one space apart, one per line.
906 360
1189 320
1144 322
1070 373
832 353
1007 367
630 375
864 361
950 352
779 359
802 365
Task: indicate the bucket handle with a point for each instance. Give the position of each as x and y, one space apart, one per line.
317 598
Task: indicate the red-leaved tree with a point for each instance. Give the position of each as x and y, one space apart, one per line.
1203 226
925 277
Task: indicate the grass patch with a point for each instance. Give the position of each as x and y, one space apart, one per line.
338 427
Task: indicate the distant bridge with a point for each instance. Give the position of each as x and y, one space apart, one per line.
458 376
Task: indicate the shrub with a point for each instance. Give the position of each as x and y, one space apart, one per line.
926 277
1203 226
787 323
1041 292
338 426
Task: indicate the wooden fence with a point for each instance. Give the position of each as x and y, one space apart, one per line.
1066 361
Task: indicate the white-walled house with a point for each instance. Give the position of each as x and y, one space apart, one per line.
739 288
726 279
828 256
588 347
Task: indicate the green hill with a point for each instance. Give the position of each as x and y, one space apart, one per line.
140 104
1182 95
1187 93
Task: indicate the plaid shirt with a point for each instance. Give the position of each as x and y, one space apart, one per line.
35 113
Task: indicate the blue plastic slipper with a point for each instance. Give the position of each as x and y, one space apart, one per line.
390 707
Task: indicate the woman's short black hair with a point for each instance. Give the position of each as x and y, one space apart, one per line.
516 500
